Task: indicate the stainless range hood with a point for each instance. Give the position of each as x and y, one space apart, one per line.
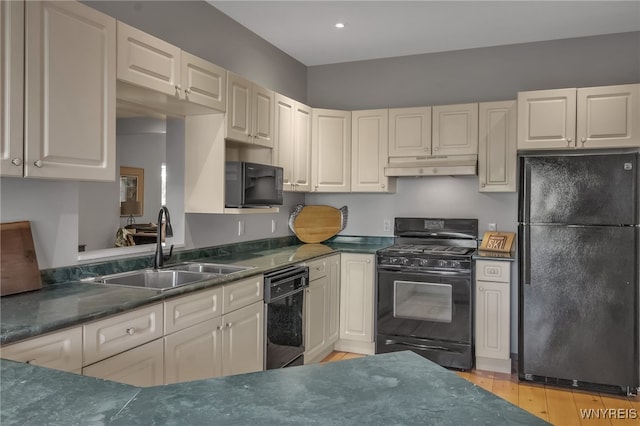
454 165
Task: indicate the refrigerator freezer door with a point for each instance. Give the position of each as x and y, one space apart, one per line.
578 312
584 190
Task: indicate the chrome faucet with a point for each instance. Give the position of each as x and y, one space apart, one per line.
159 258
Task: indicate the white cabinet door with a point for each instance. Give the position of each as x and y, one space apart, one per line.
301 178
142 366
11 86
203 82
185 311
61 350
356 297
608 117
148 61
455 130
370 151
333 272
107 337
243 340
409 132
547 119
284 134
238 108
331 151
194 353
70 92
497 146
492 317
242 293
262 116
316 316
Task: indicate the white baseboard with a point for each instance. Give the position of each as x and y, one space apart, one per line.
492 364
365 348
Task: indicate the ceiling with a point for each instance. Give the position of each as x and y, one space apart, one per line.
305 29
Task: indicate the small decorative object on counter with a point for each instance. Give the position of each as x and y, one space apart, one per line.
497 241
315 224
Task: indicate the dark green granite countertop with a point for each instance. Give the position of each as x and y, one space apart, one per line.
399 388
71 303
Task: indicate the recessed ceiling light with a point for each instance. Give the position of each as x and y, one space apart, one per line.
340 25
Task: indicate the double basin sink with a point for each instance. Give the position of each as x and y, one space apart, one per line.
170 277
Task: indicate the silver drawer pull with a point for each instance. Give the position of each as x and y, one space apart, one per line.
229 324
131 331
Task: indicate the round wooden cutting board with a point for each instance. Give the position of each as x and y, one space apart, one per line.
315 224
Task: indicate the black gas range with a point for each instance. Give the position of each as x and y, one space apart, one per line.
424 290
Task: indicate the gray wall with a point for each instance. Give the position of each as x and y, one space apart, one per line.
487 74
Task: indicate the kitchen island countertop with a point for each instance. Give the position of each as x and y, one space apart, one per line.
399 388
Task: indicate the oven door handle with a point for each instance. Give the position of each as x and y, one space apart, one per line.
417 346
405 270
282 296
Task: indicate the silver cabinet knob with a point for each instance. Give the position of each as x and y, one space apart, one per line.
187 90
131 331
435 170
426 149
317 186
583 140
382 185
177 86
483 184
229 324
368 260
481 288
436 148
38 163
569 139
219 328
17 161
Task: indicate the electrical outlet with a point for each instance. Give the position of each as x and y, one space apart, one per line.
240 227
493 227
273 226
386 225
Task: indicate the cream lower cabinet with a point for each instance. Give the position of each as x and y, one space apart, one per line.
357 284
60 350
331 151
322 302
589 117
370 151
142 366
492 316
70 97
243 340
497 146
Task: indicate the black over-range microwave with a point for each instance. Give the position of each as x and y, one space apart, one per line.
252 184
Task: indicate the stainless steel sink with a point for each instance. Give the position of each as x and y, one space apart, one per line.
210 268
155 279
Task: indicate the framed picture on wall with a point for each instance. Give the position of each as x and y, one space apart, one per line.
131 191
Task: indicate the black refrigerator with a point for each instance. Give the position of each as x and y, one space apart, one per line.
578 248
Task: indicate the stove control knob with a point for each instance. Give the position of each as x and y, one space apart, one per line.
454 264
442 263
424 262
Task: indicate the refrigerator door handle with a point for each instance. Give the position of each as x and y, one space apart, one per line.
526 248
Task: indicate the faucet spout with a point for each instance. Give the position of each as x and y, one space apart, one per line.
158 260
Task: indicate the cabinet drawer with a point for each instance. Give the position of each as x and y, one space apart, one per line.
183 312
317 269
113 335
61 350
487 270
242 293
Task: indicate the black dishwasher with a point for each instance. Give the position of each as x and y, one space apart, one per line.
284 322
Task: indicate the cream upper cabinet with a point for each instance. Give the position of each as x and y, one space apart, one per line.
547 119
250 107
590 117
148 61
331 151
190 84
497 146
370 151
492 316
142 366
243 340
61 350
409 132
357 283
455 130
11 86
70 92
203 82
608 117
292 147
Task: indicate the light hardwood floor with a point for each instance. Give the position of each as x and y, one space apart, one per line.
558 406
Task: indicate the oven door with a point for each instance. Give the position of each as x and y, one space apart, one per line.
424 305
